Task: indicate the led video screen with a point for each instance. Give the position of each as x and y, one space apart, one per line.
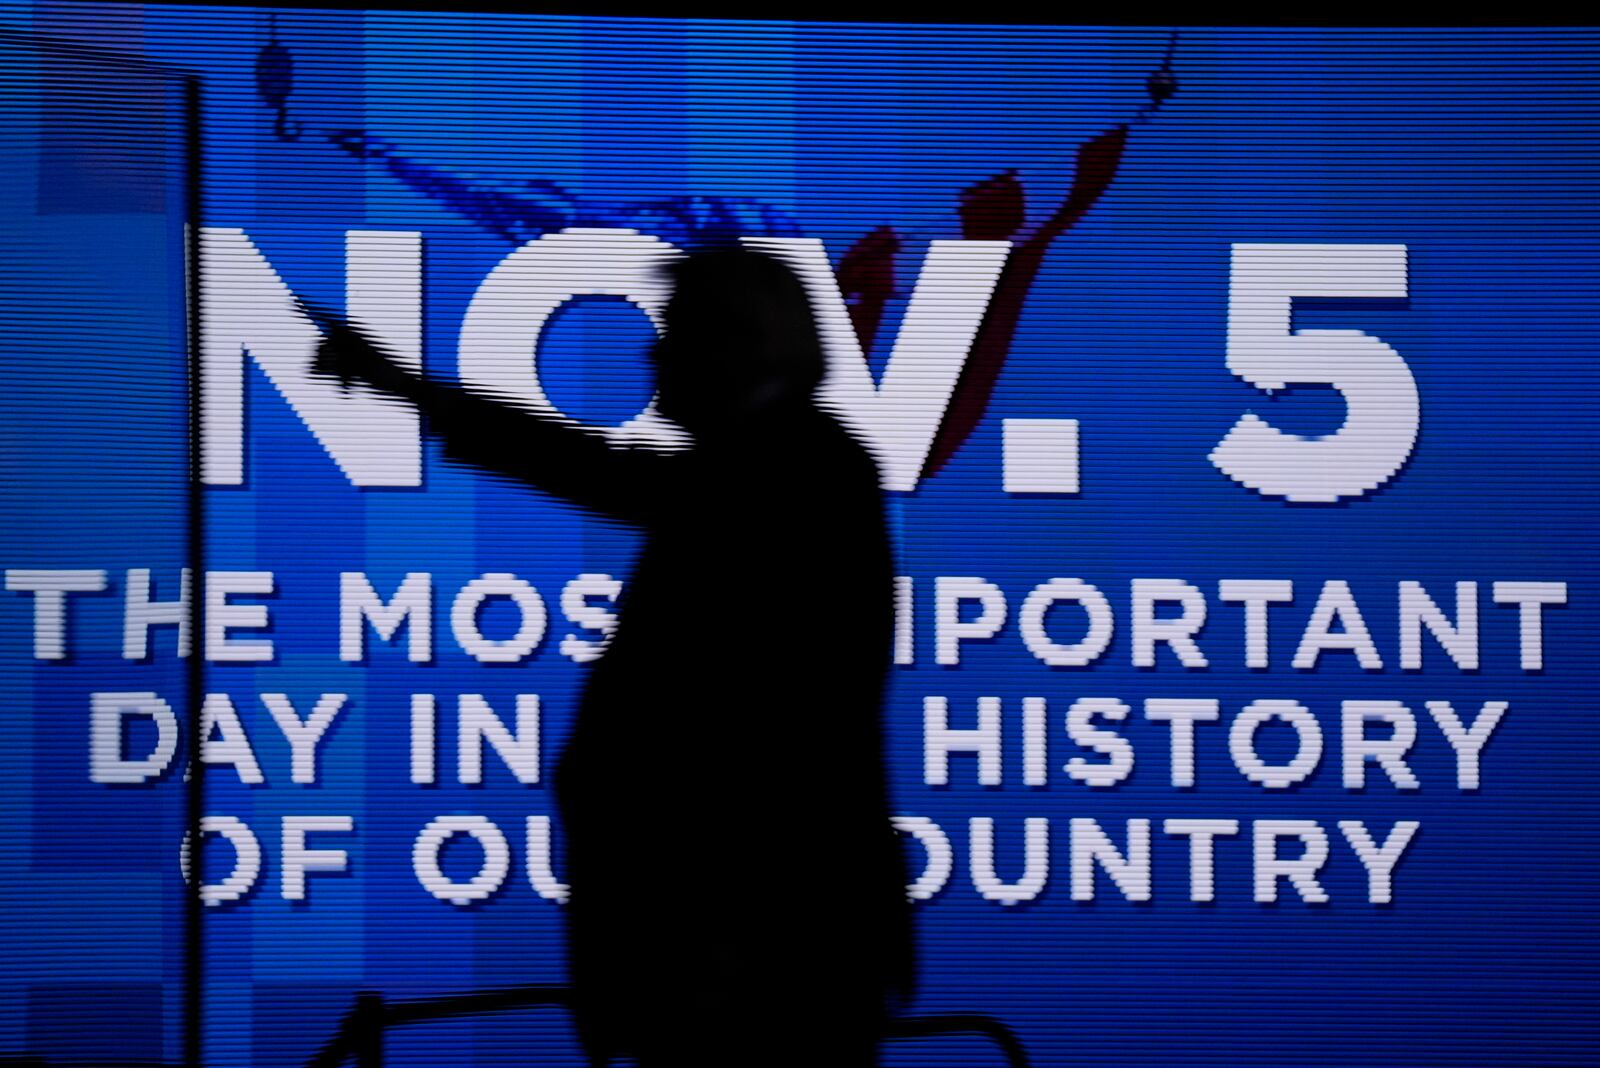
1234 403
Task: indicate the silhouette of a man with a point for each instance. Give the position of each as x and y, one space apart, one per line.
737 891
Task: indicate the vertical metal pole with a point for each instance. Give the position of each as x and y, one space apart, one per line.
195 794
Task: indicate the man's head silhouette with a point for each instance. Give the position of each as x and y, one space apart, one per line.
740 342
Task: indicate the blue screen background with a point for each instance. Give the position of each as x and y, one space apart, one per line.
1472 148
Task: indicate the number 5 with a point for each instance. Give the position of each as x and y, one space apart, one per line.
1382 409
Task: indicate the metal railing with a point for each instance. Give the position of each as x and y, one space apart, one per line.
361 1035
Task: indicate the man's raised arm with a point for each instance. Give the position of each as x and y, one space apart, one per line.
503 438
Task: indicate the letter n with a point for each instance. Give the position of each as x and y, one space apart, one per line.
248 313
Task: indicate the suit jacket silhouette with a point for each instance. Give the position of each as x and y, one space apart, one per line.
737 891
